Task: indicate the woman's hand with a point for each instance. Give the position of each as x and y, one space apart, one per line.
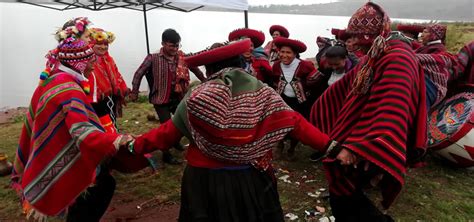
346 157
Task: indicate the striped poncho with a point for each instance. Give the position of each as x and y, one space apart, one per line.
386 126
431 49
466 59
61 144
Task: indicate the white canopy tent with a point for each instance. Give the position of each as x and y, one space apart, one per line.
140 5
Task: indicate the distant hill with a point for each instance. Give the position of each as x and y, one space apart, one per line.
457 10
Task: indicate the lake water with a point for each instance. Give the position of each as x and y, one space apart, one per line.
26 35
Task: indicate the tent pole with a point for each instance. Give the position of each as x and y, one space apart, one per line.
246 15
146 29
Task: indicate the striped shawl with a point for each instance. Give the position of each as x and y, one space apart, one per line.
61 144
385 126
466 59
431 49
440 70
234 117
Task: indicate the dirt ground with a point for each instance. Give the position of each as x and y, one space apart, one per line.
121 210
8 115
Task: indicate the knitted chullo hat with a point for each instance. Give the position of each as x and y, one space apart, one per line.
100 36
371 25
437 32
73 28
368 22
76 53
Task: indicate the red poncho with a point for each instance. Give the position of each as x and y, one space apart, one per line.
431 49
386 126
106 80
61 144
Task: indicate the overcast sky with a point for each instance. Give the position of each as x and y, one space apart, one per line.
288 2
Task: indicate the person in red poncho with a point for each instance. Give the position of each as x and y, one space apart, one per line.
270 49
378 112
108 87
433 38
295 78
62 143
254 62
232 121
294 74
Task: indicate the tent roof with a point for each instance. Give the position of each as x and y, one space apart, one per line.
98 5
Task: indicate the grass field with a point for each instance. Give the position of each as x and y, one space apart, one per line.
433 193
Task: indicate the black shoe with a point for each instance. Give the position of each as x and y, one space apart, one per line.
316 156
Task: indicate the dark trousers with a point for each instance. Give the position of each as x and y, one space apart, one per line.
91 205
164 112
355 208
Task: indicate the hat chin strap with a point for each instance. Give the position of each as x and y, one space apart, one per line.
72 72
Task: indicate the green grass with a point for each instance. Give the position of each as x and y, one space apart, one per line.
433 193
9 204
458 34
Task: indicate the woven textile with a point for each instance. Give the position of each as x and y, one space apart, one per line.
234 117
61 144
437 32
370 19
386 126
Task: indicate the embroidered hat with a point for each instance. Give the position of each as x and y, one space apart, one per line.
75 52
100 36
368 22
212 55
296 45
437 32
257 37
283 31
